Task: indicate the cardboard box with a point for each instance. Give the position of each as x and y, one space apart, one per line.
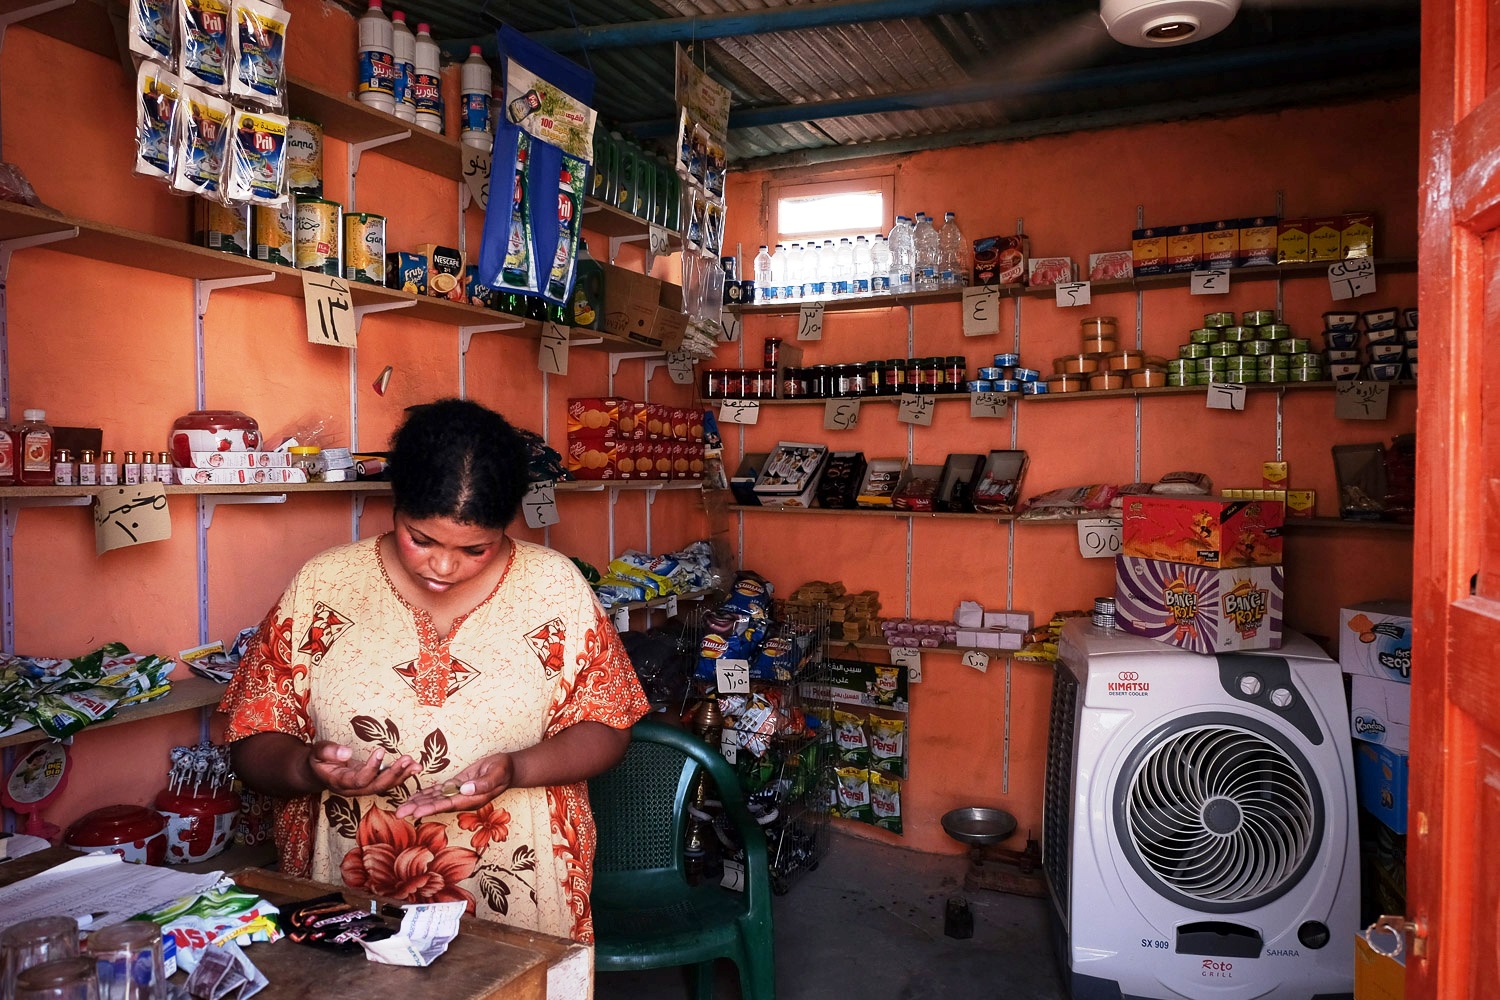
841 479
742 483
1148 251
642 309
1113 265
1043 272
593 457
1380 711
632 422
918 488
596 417
1380 777
1015 621
791 473
1184 247
1325 238
632 459
1274 475
1257 241
1206 531
239 477
961 473
1301 503
1291 241
240 460
1221 243
445 272
1377 976
999 485
1001 260
660 466
1358 236
1197 608
882 476
1375 640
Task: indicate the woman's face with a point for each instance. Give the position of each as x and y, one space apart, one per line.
439 553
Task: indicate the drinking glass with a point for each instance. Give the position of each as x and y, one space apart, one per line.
60 979
32 942
128 961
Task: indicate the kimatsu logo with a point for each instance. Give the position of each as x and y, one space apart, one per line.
1214 969
1367 724
1128 682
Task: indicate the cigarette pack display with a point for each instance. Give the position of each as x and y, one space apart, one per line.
239 460
240 477
1206 531
1375 640
1198 608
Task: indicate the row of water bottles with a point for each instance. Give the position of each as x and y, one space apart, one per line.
915 257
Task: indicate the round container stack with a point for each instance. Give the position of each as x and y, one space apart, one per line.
1389 341
1257 349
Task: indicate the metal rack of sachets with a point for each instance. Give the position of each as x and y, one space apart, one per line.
769 691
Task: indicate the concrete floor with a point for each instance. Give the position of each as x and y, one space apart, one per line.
867 924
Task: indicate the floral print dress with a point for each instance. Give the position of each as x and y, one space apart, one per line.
344 657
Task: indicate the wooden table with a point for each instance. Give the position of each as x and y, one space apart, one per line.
487 961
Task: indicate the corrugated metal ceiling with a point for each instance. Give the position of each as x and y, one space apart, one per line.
999 69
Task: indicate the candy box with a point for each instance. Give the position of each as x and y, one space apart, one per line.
1148 251
1043 272
841 479
595 416
660 466
1221 243
878 485
1257 242
1184 247
634 417
593 458
1000 260
1380 711
633 459
1205 531
1198 608
445 272
1375 640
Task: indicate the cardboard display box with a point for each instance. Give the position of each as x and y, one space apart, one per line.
1377 976
1380 775
1194 607
1380 712
1375 640
642 309
1206 531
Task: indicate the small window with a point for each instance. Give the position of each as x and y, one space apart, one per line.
830 209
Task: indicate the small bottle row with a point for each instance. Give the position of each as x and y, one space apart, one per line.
892 377
87 470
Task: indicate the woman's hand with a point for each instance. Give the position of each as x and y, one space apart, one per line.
468 789
334 766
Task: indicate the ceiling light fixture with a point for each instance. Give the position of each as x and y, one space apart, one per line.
1159 23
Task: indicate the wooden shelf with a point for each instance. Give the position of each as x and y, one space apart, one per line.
870 511
9 492
1341 524
187 694
600 485
1180 390
657 602
833 645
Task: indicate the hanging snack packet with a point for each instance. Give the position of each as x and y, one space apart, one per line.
200 139
152 29
156 92
259 66
257 160
850 738
683 162
696 207
203 27
885 801
714 166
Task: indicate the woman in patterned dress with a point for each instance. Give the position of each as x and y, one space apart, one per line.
428 704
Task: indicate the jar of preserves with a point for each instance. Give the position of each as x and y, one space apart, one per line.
874 378
955 372
713 383
854 380
793 383
308 458
897 372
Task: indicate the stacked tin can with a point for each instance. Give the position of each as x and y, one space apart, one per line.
1100 364
1389 341
1259 348
1007 375
1104 612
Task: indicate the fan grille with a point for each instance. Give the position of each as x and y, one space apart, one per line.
1222 815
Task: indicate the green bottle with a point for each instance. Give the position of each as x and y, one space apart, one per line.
586 308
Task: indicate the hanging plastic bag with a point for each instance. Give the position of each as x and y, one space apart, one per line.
200 142
152 29
259 53
257 160
157 92
203 27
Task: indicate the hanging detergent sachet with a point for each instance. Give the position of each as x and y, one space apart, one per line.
157 92
152 29
200 142
259 64
203 27
257 160
570 182
519 270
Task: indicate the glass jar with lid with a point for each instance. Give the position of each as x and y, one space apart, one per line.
955 372
874 378
897 373
308 458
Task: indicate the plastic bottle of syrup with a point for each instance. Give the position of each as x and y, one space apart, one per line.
404 50
35 437
9 451
377 62
427 85
474 84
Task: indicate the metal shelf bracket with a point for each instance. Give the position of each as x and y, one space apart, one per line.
212 501
357 149
466 333
8 247
203 288
16 16
615 357
360 312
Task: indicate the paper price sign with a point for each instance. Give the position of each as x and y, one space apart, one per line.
1349 279
739 411
909 657
840 414
810 321
1361 400
1226 396
1213 281
1099 538
989 404
680 367
659 240
540 504
977 659
330 310
552 349
730 327
475 164
915 410
732 676
981 310
729 745
130 515
734 876
1074 293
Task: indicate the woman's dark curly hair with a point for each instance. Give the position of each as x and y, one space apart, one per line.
457 459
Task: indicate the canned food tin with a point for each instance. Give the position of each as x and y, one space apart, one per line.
1258 317
1181 366
979 385
221 228
1099 345
988 372
304 157
1214 365
1274 361
1294 345
1274 331
1204 335
1107 380
1218 319
1192 351
273 232
1039 387
1344 373
1007 360
1238 334
1224 350
316 241
1101 326
1126 361
1181 378
1066 383
1027 375
1077 364
1307 375
1007 385
1275 375
1340 320
364 248
1241 370
1148 378
1257 348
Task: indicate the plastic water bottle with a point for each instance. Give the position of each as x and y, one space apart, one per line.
778 272
427 84
926 239
793 288
404 49
474 85
861 283
880 266
377 63
825 268
843 268
953 254
763 288
812 268
903 255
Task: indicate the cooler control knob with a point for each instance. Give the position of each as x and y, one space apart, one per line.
1281 698
1250 685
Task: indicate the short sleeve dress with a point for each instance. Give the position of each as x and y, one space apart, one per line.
344 657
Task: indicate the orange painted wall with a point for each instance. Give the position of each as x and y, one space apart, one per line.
103 345
1079 194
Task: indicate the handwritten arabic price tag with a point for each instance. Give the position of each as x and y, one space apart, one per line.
915 410
130 515
739 411
909 657
552 349
840 414
981 310
1349 279
732 676
475 164
729 745
622 619
1212 281
659 240
330 310
1099 538
680 367
734 873
1226 396
540 504
978 659
988 404
730 327
1074 293
810 321
1361 400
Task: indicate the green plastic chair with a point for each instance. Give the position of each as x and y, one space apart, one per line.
646 915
